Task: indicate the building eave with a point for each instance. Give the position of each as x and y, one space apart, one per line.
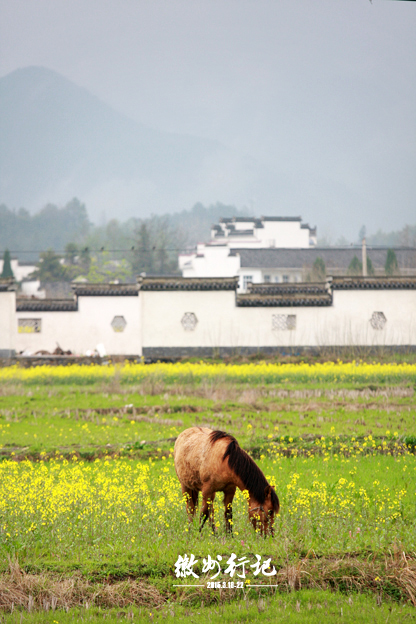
46 305
105 290
187 283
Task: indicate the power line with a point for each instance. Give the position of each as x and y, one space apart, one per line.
187 250
102 250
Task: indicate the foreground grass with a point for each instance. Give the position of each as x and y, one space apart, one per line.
296 607
337 441
86 420
77 515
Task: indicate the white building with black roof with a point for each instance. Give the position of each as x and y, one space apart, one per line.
285 264
221 256
263 232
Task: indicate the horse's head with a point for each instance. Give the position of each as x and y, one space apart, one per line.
262 515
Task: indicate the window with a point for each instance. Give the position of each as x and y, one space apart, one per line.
276 278
285 322
267 279
189 321
29 326
247 279
285 279
378 320
118 323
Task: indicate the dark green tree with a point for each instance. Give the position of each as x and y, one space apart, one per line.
355 267
7 266
391 267
370 268
143 258
319 270
84 260
50 268
71 253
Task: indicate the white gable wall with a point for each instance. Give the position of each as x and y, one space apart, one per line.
213 261
82 330
353 309
154 321
7 323
283 234
96 315
222 324
163 311
55 328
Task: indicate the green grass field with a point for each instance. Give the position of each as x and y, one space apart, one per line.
91 516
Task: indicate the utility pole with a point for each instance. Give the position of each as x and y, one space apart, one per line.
364 257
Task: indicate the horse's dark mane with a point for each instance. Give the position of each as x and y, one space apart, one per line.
245 468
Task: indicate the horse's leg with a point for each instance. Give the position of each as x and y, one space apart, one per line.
228 505
191 500
207 510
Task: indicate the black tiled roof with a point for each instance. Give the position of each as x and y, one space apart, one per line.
309 288
281 218
373 283
105 290
241 233
334 258
46 305
188 283
285 300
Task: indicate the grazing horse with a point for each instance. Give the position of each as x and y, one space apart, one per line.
210 461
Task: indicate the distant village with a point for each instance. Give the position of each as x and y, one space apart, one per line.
259 284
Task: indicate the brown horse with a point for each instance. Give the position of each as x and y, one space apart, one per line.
210 461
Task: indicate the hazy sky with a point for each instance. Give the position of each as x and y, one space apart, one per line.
321 91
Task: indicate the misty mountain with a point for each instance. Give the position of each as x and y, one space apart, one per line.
59 141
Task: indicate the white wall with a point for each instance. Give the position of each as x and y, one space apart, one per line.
214 261
283 234
31 289
19 271
162 312
82 330
154 320
272 234
222 324
353 309
7 323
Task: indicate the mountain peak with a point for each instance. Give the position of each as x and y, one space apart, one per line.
60 141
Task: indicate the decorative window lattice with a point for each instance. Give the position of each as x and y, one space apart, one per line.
29 326
378 320
284 321
118 323
189 321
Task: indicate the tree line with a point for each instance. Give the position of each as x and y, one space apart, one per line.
75 248
318 272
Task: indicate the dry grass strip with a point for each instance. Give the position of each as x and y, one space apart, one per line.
391 577
44 592
394 576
